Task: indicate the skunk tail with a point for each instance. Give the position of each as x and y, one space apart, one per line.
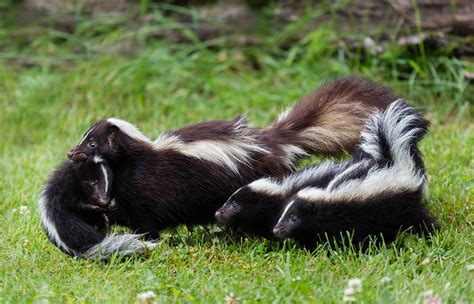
121 244
392 136
391 160
75 237
326 122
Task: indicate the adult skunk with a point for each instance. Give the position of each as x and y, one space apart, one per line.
185 175
368 200
73 206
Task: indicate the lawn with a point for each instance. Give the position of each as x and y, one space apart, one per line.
51 93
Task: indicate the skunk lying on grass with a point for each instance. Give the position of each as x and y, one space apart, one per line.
73 211
380 193
184 176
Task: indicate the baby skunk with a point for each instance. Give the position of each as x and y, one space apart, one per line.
186 175
382 199
256 207
73 211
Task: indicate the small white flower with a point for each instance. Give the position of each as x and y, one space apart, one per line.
356 284
230 298
349 291
425 261
23 209
348 299
297 279
429 298
146 297
470 267
385 280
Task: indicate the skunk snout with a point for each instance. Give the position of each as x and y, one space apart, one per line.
75 155
218 215
279 232
103 201
224 217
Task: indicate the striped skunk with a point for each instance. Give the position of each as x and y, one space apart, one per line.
73 211
185 175
380 193
256 207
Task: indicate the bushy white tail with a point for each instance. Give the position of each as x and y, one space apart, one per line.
121 244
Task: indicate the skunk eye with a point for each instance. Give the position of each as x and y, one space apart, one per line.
92 144
234 205
92 183
293 218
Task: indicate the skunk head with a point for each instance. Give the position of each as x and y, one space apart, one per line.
234 209
99 140
95 180
295 219
251 209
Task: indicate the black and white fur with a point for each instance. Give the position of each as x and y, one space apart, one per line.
185 175
379 199
73 211
256 207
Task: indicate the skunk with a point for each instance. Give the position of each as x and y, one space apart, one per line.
185 175
73 211
256 207
381 198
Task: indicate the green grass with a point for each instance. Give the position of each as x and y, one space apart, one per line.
53 90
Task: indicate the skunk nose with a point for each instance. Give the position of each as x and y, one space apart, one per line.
75 155
104 202
277 231
217 214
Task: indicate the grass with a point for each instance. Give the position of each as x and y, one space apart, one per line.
54 88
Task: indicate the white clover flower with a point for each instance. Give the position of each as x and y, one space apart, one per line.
426 261
349 291
230 298
349 299
429 298
385 279
23 209
146 297
356 284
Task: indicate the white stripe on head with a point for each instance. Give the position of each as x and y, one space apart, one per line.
129 129
266 186
106 177
285 211
49 225
87 134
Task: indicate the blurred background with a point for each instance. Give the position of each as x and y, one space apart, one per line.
86 59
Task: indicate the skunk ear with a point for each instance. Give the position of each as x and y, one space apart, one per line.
112 135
